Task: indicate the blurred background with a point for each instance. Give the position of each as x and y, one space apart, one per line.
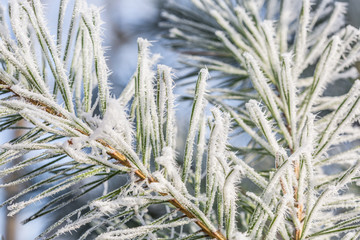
125 21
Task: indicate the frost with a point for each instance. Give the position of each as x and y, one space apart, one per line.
241 236
167 160
111 207
138 231
275 156
114 122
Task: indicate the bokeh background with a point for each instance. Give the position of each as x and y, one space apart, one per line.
125 21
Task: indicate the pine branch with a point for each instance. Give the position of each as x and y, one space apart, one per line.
273 62
268 49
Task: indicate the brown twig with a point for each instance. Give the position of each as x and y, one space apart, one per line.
122 159
299 207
